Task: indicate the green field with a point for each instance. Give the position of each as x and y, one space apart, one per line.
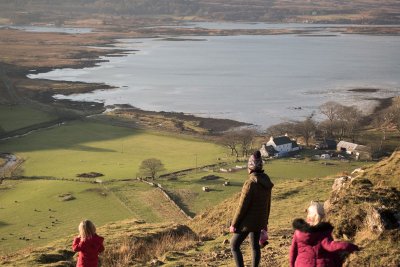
16 117
82 146
19 200
132 199
116 152
188 189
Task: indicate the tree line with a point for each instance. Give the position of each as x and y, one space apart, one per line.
338 122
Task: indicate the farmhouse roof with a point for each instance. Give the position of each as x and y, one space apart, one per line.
330 142
270 149
281 140
363 148
347 145
353 147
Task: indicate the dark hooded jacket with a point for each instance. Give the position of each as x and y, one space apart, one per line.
313 246
255 203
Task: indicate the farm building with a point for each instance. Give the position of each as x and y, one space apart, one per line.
326 144
267 151
283 145
359 151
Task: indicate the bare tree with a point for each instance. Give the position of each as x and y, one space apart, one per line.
349 118
382 121
280 129
231 140
306 128
246 138
330 110
150 167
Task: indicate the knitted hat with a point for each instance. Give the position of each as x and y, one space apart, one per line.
255 162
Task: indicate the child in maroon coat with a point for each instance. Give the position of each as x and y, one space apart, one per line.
312 244
88 244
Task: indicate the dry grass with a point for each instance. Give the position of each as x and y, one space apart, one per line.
385 172
25 49
134 251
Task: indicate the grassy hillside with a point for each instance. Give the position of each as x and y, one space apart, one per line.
384 173
289 200
187 189
17 117
34 210
254 10
129 241
116 152
362 211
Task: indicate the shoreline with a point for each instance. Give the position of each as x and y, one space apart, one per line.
44 89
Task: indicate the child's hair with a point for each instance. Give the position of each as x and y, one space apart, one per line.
315 213
86 229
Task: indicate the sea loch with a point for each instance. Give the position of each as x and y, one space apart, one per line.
257 79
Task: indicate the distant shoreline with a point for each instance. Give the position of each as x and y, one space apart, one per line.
45 93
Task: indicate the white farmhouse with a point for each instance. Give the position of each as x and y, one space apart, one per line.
283 145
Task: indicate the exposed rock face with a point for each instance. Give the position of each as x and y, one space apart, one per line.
355 202
368 213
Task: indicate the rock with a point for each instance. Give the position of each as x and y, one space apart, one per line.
379 219
358 171
156 262
339 183
226 241
210 177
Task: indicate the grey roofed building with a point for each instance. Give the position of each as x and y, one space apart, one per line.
267 151
283 145
281 140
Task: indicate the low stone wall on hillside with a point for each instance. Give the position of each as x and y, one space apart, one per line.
167 196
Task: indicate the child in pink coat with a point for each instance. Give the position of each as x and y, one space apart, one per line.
88 244
312 243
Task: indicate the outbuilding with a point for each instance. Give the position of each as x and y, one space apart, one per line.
360 152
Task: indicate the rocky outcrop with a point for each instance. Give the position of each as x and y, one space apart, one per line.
365 211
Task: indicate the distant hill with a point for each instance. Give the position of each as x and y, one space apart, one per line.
325 11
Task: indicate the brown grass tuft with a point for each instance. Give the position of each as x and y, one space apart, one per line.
137 251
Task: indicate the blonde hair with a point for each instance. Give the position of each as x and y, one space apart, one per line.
315 213
86 229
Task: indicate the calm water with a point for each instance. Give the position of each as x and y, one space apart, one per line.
256 79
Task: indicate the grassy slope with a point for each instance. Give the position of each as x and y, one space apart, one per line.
385 173
291 195
19 201
188 189
16 117
146 202
289 200
114 151
117 240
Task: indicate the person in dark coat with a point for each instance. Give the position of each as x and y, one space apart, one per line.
88 244
253 211
313 244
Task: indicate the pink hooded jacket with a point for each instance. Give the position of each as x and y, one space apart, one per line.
89 250
313 246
